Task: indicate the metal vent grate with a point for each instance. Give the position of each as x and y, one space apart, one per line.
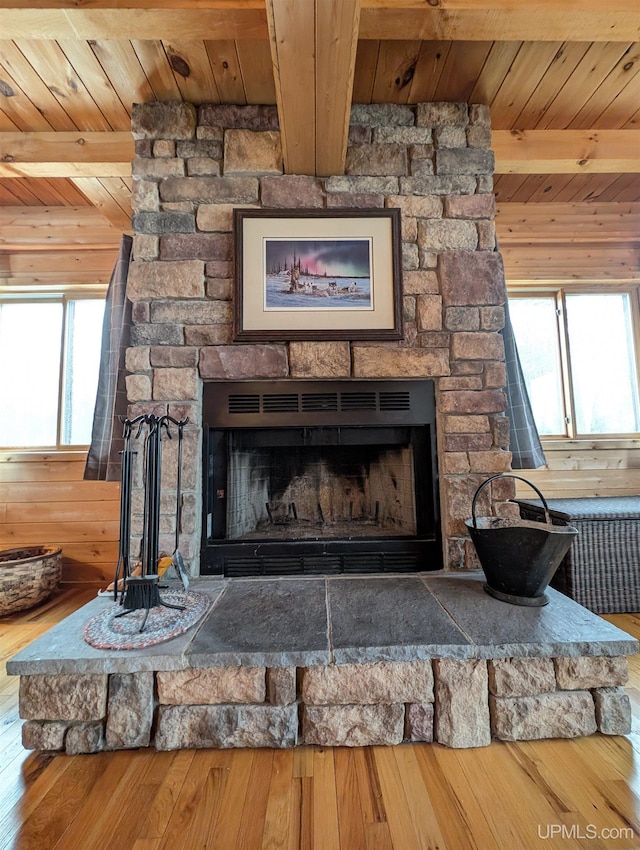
358 401
363 562
322 565
319 401
399 400
308 563
244 403
281 565
292 403
240 567
401 562
326 402
280 403
383 562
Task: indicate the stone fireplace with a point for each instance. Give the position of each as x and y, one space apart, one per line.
315 458
193 166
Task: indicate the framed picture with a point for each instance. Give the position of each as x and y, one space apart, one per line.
317 274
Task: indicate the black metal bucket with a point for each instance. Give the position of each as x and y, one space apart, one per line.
519 557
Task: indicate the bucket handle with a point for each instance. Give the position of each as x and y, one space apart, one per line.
547 519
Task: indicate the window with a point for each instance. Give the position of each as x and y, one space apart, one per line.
579 360
49 361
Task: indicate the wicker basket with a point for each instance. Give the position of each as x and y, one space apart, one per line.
27 576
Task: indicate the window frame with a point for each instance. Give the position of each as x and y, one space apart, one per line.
559 291
64 298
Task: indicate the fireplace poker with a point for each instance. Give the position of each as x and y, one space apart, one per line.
124 546
151 523
178 561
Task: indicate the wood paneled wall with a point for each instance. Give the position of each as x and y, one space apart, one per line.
44 500
569 242
580 468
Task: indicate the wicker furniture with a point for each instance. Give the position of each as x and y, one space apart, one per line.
602 569
27 576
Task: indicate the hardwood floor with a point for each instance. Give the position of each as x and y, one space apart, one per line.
539 794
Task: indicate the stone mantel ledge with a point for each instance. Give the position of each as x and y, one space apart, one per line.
347 620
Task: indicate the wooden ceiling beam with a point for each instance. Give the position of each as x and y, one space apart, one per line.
566 151
292 38
103 155
336 48
66 154
468 20
542 6
500 20
50 21
313 49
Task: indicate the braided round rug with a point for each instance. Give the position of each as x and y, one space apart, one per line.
106 631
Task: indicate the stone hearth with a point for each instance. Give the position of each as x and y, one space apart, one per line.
374 660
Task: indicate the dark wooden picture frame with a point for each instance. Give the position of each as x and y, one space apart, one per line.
317 274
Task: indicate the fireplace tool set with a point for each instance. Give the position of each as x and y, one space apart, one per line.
141 591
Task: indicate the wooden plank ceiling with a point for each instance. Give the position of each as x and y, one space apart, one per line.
562 79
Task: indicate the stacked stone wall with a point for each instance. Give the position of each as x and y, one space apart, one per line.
433 162
459 703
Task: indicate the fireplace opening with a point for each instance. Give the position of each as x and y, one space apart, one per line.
348 486
319 478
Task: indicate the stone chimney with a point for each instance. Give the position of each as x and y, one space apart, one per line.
194 165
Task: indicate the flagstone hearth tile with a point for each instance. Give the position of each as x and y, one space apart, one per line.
501 630
390 618
265 622
63 649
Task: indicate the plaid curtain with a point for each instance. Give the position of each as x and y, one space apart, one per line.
524 441
103 459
